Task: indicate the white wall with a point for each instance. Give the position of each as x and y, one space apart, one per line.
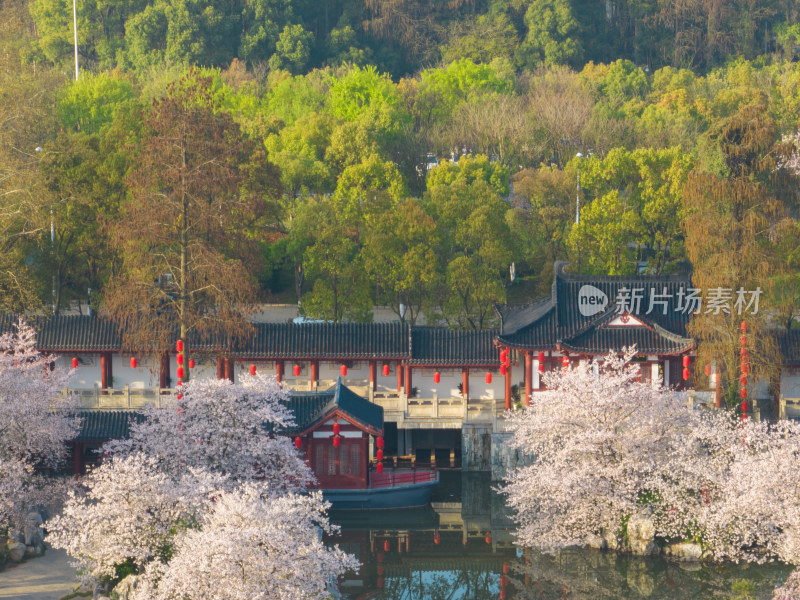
87 375
145 375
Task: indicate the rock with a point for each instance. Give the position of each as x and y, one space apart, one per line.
125 588
597 542
37 550
612 540
17 536
16 551
684 551
641 535
34 534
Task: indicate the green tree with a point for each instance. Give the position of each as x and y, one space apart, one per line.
552 37
475 250
333 261
292 49
470 169
400 256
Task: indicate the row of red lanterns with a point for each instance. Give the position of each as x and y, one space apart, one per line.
686 373
745 368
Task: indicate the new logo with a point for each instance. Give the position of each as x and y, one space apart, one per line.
591 300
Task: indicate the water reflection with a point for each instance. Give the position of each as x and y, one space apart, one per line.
461 547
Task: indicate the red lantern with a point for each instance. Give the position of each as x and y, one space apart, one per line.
743 379
379 442
488 377
503 595
379 454
252 369
743 393
343 370
336 441
180 397
488 538
380 570
686 360
686 374
743 340
437 538
743 352
744 407
298 443
437 377
379 468
386 370
133 362
380 582
180 359
74 362
506 568
180 383
708 370
743 327
336 429
386 546
541 367
191 363
746 368
504 580
179 345
503 369
565 361
296 370
179 372
540 357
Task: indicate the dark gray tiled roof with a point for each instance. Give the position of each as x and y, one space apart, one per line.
104 424
556 322
789 343
312 407
438 346
328 340
344 341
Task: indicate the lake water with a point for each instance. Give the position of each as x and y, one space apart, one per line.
443 552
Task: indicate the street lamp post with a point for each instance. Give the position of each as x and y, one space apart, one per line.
75 30
578 195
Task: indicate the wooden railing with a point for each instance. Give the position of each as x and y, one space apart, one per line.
479 410
395 478
125 398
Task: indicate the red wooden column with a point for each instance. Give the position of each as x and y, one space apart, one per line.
508 388
314 374
229 369
105 370
220 368
399 376
528 378
408 380
373 374
163 371
279 370
465 383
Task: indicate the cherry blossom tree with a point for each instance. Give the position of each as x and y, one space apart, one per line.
226 428
605 446
252 547
36 421
129 515
202 498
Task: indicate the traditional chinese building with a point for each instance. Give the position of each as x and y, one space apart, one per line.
442 392
585 317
